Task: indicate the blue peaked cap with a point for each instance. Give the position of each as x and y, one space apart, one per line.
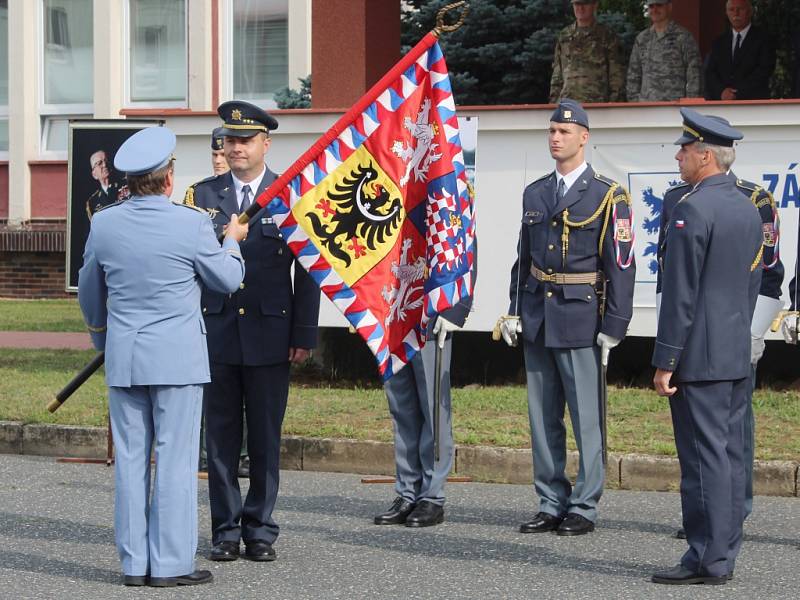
145 151
707 129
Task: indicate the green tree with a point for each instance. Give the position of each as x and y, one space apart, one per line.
780 18
289 98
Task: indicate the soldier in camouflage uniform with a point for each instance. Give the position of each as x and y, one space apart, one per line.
665 61
587 64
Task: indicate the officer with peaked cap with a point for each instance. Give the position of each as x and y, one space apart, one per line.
712 257
139 292
218 162
572 300
768 304
253 337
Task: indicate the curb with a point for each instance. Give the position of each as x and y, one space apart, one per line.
483 463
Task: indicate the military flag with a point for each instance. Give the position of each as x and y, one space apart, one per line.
379 212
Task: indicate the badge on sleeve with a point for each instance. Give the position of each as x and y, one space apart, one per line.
624 233
680 224
769 235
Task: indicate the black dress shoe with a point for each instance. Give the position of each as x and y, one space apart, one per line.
224 551
679 575
541 522
397 513
259 551
680 534
195 578
136 580
244 467
575 524
425 515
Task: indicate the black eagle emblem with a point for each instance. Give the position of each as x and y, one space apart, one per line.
362 212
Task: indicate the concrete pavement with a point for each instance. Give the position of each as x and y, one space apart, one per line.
56 530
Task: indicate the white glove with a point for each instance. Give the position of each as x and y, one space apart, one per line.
757 346
765 312
441 328
507 327
789 328
606 343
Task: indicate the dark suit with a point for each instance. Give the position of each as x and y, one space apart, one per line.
711 280
560 323
249 336
749 75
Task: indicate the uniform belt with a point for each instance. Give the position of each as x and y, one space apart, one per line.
567 278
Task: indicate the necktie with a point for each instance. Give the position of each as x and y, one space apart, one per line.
246 201
562 189
738 46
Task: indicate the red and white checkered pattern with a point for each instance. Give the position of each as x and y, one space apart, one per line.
442 253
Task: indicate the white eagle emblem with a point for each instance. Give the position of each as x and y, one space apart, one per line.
418 156
408 274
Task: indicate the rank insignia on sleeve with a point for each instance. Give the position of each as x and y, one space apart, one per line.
624 233
769 234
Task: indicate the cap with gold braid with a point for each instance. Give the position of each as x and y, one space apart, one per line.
242 119
706 129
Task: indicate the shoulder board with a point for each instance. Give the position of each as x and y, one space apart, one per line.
206 180
747 185
102 208
604 179
542 178
677 186
192 206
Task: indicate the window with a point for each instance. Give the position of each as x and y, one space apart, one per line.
260 44
67 68
3 75
157 64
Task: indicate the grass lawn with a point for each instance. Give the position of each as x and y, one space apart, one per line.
639 421
41 315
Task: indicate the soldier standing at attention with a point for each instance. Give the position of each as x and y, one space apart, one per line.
711 277
139 291
587 65
665 61
572 300
254 335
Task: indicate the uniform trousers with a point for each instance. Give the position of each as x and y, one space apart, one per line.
749 445
156 535
708 418
410 396
262 392
558 377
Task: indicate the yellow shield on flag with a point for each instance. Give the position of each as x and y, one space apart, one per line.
353 216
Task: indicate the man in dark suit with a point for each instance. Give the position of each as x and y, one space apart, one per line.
253 337
742 60
711 276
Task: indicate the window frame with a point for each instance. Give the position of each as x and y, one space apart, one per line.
127 49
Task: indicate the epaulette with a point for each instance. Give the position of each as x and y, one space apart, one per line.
759 196
677 186
192 206
747 185
102 208
542 178
95 193
604 179
206 180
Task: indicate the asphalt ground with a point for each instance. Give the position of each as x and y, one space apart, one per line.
57 540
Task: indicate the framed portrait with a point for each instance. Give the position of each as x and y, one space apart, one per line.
92 182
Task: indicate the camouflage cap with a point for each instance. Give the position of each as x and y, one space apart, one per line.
570 111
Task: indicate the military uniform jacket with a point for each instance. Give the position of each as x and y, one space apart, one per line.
587 66
571 313
773 270
273 310
711 280
664 66
139 289
101 198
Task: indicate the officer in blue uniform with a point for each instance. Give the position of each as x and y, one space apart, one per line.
711 266
420 479
253 337
767 306
571 291
139 292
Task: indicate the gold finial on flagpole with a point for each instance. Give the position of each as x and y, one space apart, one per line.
441 27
